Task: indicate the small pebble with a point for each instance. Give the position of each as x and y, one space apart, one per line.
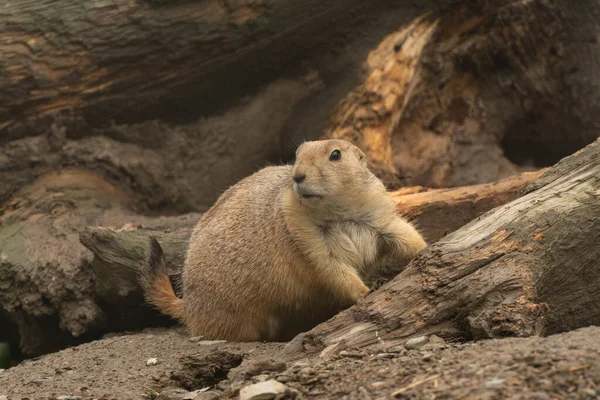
434 343
589 392
284 378
540 396
496 383
196 338
546 384
3 397
427 357
210 342
297 366
152 361
416 343
263 391
364 393
436 339
68 397
398 349
307 371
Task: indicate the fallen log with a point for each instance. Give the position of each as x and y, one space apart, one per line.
127 61
529 267
438 212
478 86
48 294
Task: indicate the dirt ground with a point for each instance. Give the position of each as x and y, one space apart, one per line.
564 366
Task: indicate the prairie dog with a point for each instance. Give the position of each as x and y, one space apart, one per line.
284 249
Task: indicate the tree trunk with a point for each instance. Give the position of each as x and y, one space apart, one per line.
519 270
131 61
476 92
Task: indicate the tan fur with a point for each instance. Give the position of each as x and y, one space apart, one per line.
265 263
161 294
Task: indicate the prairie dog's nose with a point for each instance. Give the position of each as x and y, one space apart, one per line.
299 177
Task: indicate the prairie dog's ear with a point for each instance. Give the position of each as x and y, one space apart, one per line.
360 155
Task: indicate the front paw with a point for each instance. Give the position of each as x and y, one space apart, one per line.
361 292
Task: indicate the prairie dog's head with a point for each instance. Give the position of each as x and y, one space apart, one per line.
329 169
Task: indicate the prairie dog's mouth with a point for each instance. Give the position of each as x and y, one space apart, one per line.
306 193
311 196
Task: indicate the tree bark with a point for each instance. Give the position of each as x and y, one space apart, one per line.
476 87
438 212
47 290
519 270
131 61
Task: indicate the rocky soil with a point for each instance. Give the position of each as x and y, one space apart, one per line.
166 364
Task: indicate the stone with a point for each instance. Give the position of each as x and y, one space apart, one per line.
434 343
151 361
284 378
416 343
267 390
494 384
297 366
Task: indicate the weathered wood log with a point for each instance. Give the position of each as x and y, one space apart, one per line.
119 255
370 113
480 86
438 212
47 290
41 272
130 61
529 267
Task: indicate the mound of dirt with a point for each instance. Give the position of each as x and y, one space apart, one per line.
121 367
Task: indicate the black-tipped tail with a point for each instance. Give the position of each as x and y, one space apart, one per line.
155 283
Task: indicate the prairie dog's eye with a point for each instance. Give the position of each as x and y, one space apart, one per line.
335 155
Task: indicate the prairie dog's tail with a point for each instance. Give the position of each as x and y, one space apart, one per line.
155 283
